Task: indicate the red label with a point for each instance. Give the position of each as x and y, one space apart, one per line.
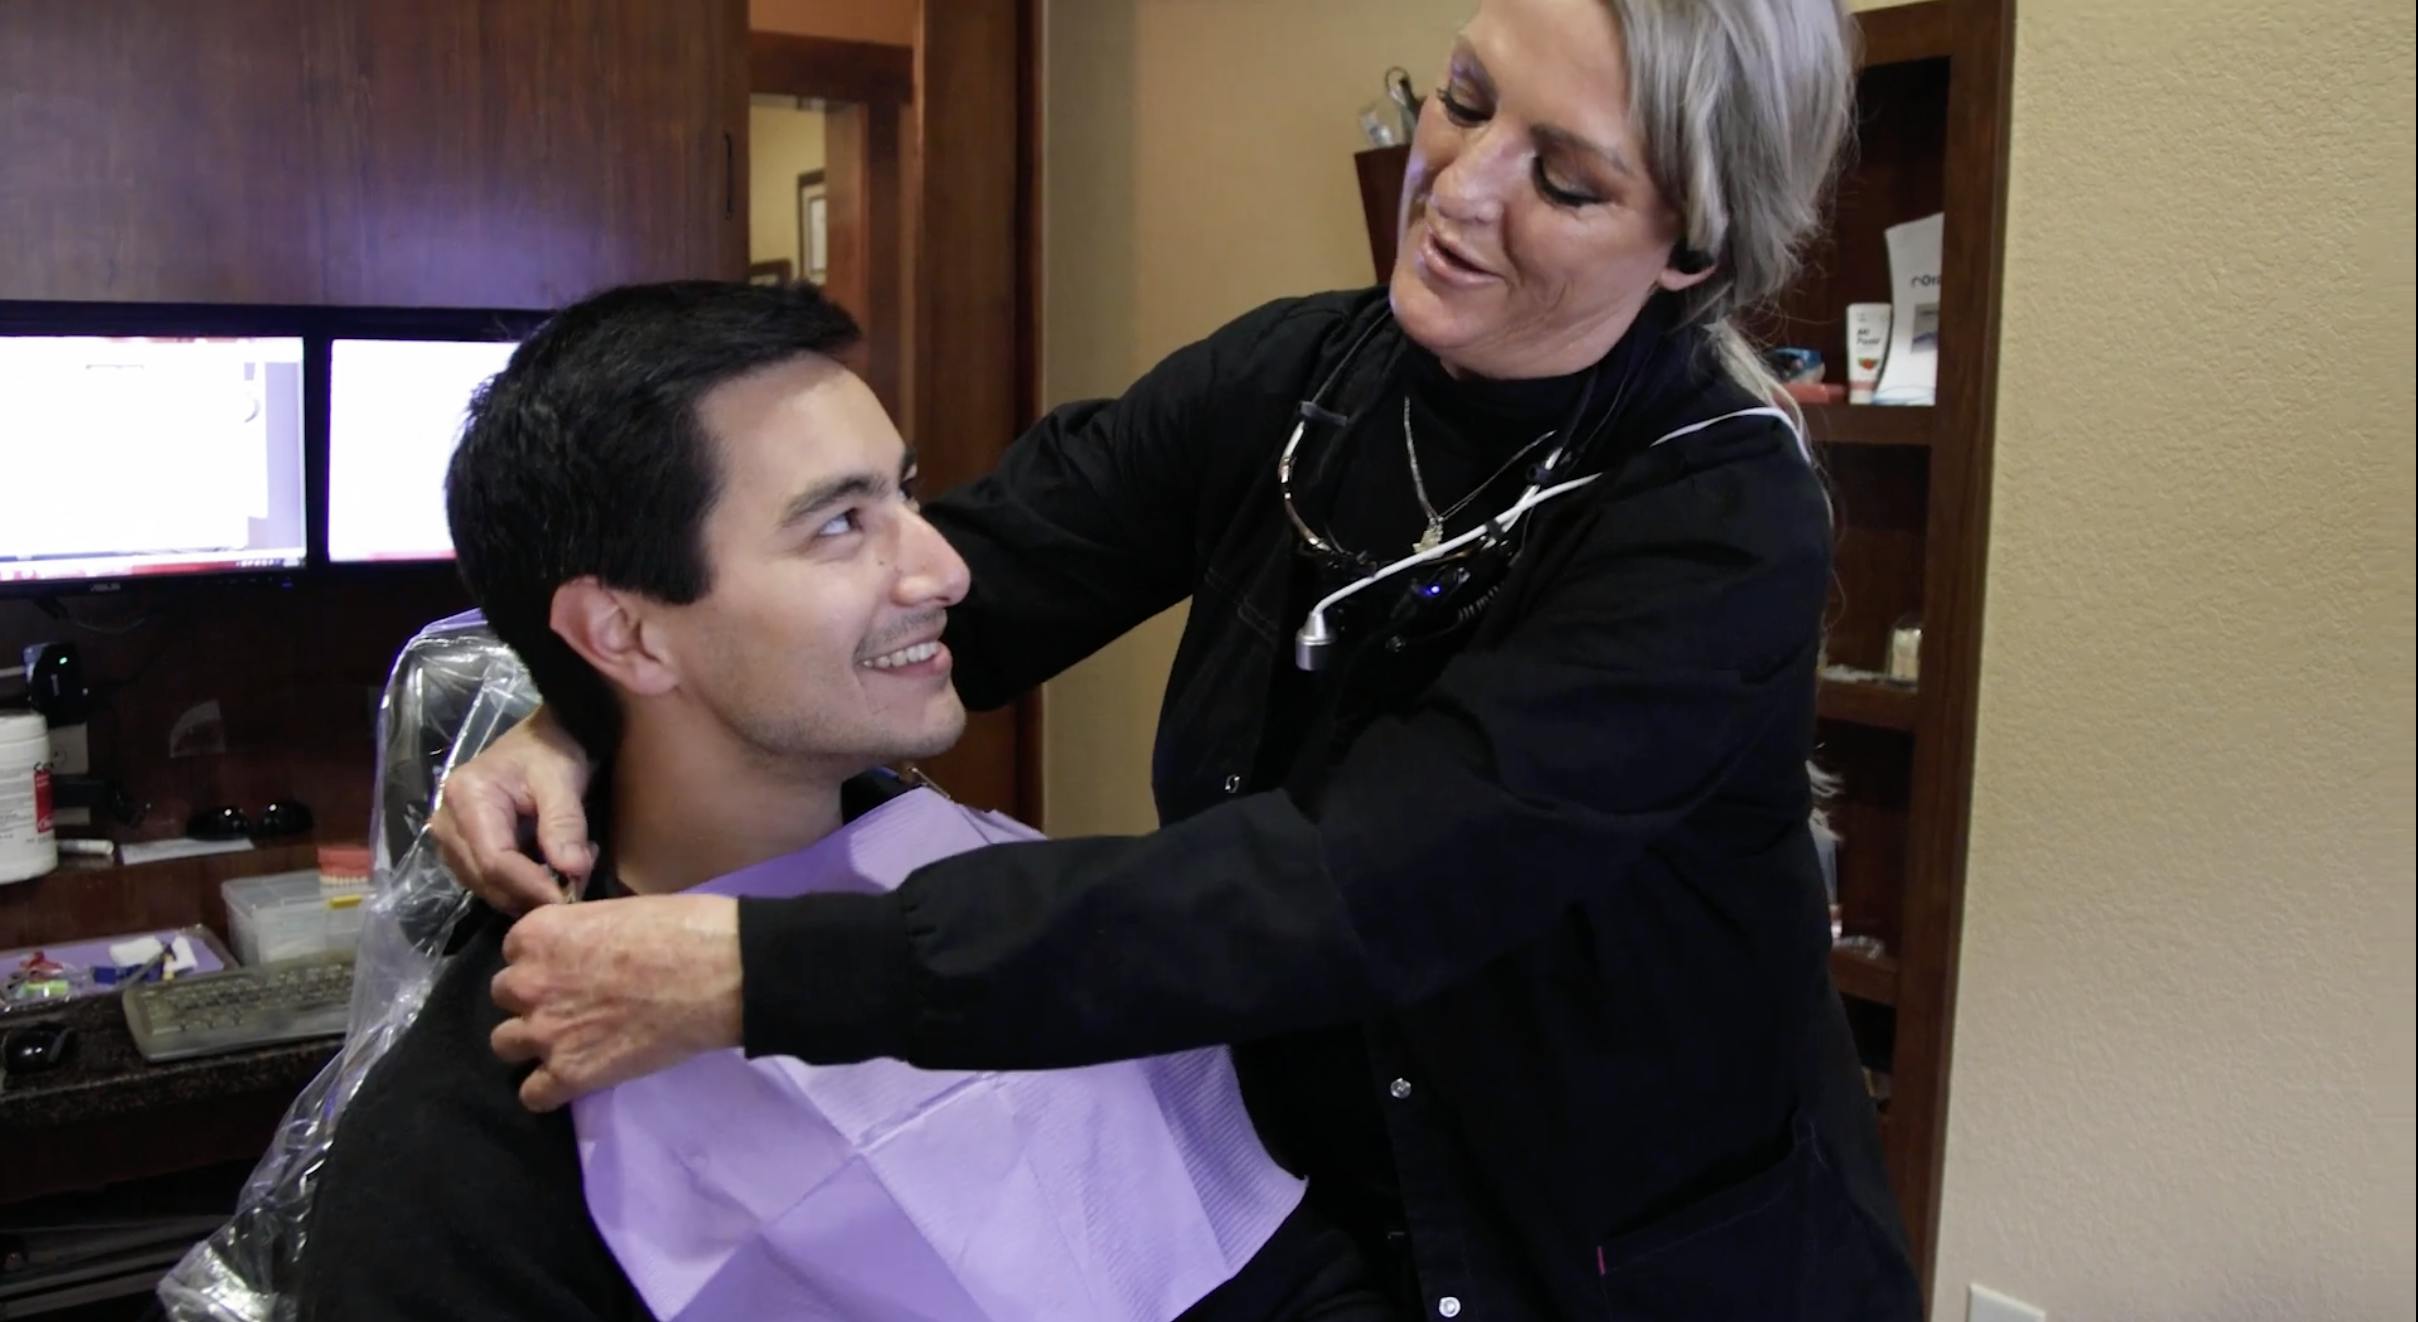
41 800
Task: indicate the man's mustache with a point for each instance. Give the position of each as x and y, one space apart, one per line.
914 627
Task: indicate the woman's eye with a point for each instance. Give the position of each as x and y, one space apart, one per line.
1457 110
1557 194
840 525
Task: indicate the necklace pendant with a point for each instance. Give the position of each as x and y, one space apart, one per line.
1432 538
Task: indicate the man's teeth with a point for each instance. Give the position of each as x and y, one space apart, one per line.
905 656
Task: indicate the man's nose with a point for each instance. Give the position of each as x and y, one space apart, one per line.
931 573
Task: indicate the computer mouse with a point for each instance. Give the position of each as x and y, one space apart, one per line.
37 1047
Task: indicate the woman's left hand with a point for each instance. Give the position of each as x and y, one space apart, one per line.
608 991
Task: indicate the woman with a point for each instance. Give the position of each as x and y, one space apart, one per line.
1495 867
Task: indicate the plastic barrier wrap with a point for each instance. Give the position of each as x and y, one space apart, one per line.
453 690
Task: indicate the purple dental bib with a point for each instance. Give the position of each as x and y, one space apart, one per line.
731 1188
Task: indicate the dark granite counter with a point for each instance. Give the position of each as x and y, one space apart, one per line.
106 1078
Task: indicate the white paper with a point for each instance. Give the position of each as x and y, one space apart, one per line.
154 851
1910 375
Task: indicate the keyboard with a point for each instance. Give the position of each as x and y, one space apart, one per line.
242 1007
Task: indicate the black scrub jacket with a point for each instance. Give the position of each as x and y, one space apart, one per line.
1536 901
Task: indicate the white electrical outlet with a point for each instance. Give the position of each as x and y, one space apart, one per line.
1988 1305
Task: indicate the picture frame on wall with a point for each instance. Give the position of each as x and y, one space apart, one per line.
778 271
814 243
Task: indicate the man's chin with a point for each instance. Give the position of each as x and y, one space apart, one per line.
939 735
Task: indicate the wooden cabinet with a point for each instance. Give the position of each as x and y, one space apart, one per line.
441 153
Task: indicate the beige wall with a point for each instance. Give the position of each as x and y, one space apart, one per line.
2183 1064
783 142
2183 1080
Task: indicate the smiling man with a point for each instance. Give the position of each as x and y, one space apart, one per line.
697 530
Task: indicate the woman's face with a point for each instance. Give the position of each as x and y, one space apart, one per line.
1532 233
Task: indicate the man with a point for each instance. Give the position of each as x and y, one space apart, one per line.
698 532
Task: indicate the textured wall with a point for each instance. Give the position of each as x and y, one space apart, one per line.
2183 1081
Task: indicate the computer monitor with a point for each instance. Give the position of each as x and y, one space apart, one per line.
395 413
127 456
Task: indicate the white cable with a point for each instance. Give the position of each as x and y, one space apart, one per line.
1501 523
1312 638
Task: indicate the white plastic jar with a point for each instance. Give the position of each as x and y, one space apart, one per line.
27 847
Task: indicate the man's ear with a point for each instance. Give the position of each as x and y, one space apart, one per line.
602 625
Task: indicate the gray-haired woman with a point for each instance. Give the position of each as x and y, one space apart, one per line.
1483 761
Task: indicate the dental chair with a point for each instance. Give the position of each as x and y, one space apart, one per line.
452 691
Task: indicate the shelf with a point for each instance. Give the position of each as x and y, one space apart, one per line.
1871 424
1880 706
1865 977
1901 34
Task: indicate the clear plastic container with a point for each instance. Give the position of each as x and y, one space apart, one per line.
286 915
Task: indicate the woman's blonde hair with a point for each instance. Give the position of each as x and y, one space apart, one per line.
1744 106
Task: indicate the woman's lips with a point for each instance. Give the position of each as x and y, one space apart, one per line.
1447 265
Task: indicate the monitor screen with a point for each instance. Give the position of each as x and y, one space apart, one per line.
126 456
395 412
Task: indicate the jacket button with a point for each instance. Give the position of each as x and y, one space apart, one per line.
1401 1089
1234 784
1449 1306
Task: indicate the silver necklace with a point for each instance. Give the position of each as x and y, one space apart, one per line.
1434 535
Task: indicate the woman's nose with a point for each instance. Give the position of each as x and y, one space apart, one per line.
1470 187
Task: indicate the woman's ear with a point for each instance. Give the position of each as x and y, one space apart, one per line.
604 625
1687 267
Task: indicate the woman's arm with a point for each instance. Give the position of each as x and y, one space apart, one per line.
1090 523
1531 775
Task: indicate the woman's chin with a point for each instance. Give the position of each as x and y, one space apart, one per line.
1427 315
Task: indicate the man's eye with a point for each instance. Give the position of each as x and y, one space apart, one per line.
840 525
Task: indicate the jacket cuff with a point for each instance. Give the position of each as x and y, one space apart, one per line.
828 979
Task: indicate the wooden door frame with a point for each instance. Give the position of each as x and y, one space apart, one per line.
866 129
961 174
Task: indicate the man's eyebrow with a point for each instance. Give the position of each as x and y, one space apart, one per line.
831 491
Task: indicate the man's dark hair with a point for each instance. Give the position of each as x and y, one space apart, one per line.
586 455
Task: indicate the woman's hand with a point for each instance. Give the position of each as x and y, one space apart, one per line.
602 993
535 771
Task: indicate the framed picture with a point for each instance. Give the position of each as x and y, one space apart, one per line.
775 272
814 245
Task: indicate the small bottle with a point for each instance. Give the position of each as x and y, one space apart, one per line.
1906 650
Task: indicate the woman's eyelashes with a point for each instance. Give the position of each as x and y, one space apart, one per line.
1468 112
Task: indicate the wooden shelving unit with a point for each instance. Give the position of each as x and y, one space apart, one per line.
1875 705
1870 424
1911 491
1865 977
